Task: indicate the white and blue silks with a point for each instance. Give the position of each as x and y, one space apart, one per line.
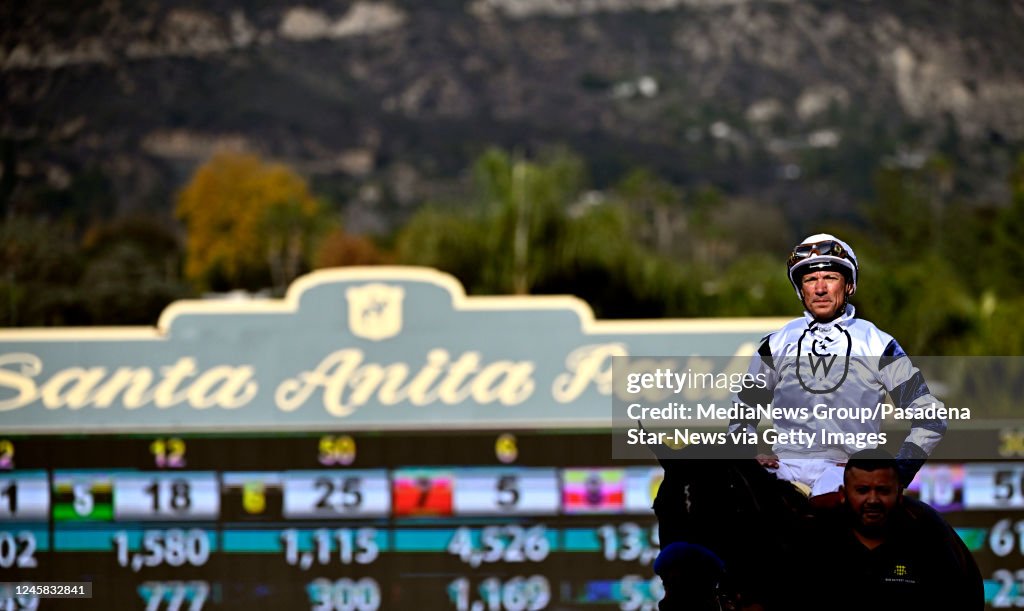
826 384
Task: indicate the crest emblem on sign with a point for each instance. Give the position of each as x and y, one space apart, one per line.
375 311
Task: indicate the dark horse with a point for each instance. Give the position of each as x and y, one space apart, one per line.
737 510
744 528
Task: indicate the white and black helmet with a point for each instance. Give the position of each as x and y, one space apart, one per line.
822 251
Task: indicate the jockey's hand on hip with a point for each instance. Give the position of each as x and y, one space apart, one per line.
768 461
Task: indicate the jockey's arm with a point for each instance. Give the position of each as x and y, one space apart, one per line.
907 387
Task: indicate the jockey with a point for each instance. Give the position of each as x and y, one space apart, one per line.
827 366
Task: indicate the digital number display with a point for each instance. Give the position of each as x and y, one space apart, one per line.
24 496
995 486
422 492
593 490
340 521
340 493
506 491
941 486
177 496
83 497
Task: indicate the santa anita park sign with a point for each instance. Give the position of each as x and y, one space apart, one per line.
348 349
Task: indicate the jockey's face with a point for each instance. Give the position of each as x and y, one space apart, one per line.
824 294
871 495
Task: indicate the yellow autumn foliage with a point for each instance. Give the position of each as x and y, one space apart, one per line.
249 222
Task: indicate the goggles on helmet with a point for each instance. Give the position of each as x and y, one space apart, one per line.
827 248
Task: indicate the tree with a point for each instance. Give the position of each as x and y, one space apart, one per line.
513 231
339 248
250 223
41 265
131 271
658 205
534 229
1009 234
526 204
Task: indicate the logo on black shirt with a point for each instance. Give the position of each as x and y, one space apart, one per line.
900 574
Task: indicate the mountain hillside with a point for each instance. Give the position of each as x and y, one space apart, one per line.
109 106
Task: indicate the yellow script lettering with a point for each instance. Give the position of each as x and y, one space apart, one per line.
30 365
587 365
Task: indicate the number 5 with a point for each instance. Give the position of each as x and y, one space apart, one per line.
1004 485
508 491
83 499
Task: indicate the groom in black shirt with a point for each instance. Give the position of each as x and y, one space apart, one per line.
878 549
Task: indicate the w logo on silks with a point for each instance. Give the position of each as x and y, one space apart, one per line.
819 360
817 352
